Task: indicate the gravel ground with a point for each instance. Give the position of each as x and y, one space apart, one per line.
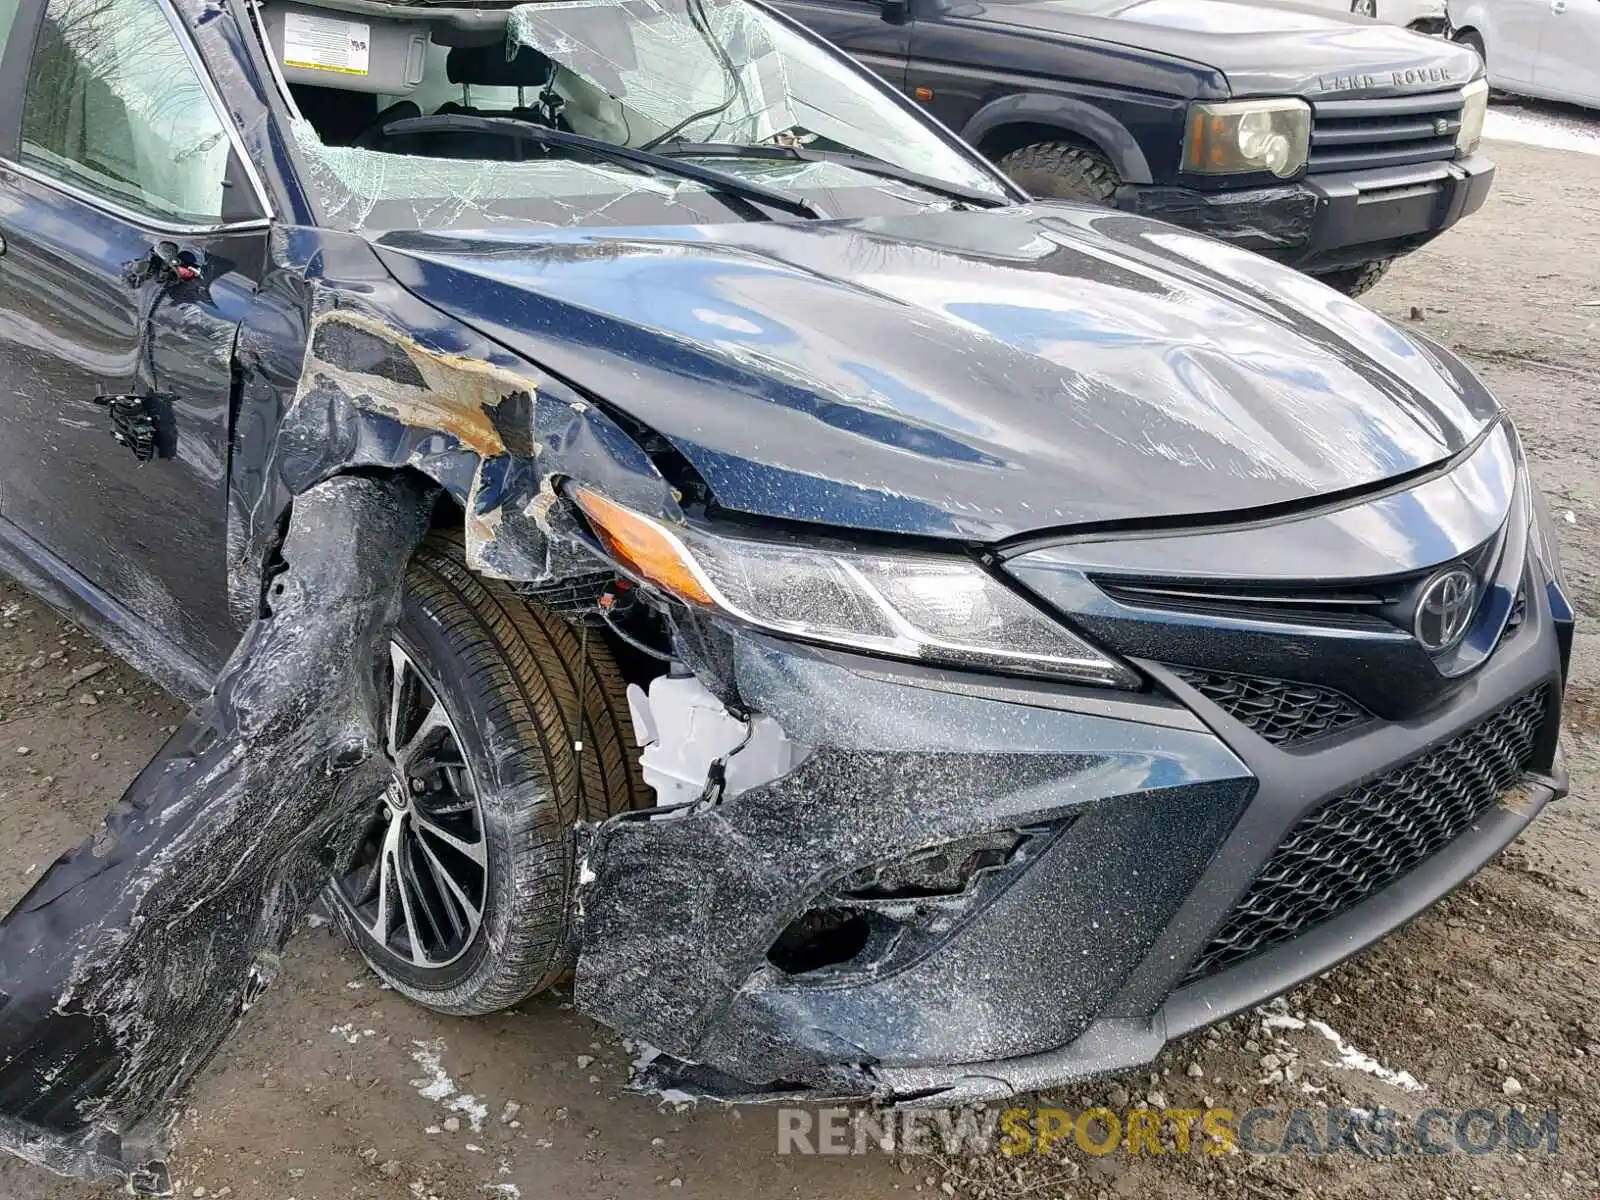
1490 1000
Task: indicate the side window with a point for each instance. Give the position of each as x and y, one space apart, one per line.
8 17
114 106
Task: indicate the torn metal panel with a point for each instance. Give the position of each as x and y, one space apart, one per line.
341 368
850 913
131 959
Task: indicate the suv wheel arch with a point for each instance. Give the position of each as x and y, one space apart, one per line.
1008 124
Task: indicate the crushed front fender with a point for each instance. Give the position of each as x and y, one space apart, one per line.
132 958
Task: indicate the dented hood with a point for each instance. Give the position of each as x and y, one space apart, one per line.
965 374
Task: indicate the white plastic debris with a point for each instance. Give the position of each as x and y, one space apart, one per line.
684 729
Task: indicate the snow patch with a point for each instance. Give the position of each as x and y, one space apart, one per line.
1349 1057
1543 129
436 1085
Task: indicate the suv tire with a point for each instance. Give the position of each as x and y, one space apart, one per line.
1471 37
1354 281
1063 171
495 790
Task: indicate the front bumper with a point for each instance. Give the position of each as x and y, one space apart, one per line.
1141 823
1325 222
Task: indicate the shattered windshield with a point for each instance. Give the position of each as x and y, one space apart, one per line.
474 118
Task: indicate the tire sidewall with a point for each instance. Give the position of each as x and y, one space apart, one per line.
1063 171
505 804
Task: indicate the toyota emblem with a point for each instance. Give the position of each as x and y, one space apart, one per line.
1445 610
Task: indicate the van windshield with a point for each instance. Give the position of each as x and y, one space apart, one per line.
476 118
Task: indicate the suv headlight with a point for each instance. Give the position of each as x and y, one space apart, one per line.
928 607
1475 107
1243 136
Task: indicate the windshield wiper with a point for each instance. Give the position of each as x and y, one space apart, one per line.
514 127
856 162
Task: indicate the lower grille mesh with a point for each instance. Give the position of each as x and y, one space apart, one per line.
1280 711
1364 839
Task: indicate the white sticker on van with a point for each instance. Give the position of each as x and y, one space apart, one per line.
326 43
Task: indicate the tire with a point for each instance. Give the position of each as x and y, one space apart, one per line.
1354 281
508 676
1063 171
1471 37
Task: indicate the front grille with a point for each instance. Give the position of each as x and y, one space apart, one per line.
1279 710
1364 839
1355 135
1307 604
576 599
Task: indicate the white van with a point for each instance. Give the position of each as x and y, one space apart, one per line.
1544 48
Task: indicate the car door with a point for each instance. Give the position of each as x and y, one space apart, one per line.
133 235
1569 52
859 28
1511 40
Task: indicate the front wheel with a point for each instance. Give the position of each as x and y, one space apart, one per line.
1470 37
1354 281
459 892
1063 171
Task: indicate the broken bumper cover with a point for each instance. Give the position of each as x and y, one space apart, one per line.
1328 221
1130 831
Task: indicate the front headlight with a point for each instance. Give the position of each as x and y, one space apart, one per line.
1243 136
926 607
1476 107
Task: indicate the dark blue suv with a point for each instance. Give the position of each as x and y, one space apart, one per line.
1323 140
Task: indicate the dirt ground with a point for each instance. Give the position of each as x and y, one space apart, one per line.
1490 1000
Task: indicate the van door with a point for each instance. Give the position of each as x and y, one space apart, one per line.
1569 52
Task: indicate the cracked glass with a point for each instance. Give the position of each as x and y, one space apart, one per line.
662 76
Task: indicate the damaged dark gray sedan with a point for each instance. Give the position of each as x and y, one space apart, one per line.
631 496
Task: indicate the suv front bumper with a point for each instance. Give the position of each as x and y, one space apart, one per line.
1327 222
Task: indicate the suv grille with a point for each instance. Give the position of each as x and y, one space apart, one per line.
1354 135
1366 838
1280 711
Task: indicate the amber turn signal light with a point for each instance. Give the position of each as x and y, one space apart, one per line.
643 546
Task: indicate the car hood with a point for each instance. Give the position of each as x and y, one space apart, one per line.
1262 48
965 374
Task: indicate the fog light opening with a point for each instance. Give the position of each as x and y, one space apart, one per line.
819 938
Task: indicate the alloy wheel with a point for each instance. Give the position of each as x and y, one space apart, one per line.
418 883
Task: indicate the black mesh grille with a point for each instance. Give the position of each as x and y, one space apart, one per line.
1280 711
574 599
1366 838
